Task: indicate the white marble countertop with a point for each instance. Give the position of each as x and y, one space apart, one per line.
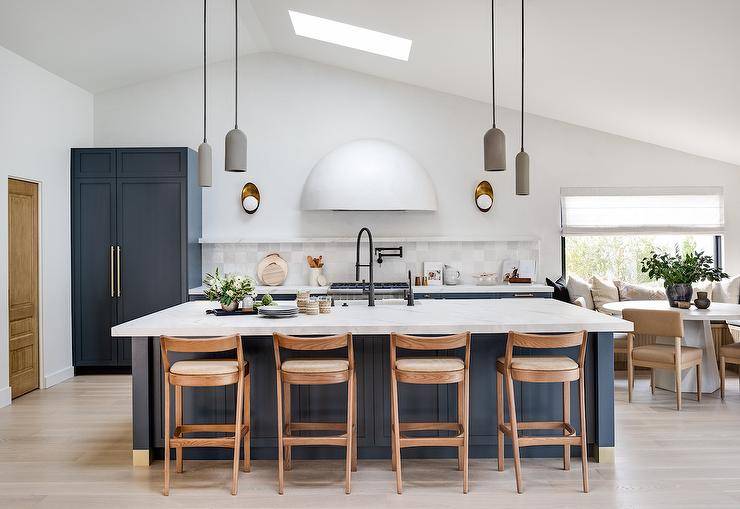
426 317
505 288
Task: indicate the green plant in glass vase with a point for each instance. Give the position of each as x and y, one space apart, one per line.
228 289
678 272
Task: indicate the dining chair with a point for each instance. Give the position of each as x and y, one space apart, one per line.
676 357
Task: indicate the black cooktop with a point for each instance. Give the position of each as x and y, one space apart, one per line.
378 286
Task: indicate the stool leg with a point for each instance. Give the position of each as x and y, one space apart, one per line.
286 404
584 447
566 420
630 378
396 431
281 483
514 432
652 380
248 422
178 422
394 460
722 377
354 423
166 490
237 434
677 375
500 418
460 421
350 427
466 436
698 382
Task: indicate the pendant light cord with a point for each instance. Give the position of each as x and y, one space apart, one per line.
236 66
522 147
493 66
204 71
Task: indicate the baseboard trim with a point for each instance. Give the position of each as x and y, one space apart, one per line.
5 396
58 376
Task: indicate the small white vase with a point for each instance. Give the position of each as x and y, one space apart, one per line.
313 275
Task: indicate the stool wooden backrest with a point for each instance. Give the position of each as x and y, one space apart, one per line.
314 344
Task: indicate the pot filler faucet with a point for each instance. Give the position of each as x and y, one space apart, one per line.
369 265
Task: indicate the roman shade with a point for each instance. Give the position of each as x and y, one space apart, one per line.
641 210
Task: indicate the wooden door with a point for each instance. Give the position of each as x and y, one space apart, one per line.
93 271
23 286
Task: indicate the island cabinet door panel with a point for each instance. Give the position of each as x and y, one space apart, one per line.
94 241
151 229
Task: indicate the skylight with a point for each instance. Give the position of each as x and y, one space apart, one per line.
351 36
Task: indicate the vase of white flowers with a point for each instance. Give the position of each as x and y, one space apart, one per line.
228 289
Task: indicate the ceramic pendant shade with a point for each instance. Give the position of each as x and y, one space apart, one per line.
522 158
494 141
235 149
205 154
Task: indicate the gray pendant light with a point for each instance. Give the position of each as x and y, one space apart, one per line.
522 158
236 140
494 142
205 155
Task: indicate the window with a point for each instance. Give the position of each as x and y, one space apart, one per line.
608 231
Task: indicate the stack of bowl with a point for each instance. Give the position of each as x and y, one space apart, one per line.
302 299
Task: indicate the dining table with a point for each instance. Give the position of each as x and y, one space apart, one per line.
697 324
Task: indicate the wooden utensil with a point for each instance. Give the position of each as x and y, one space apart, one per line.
310 262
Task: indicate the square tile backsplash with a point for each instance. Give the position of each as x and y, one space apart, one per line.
470 257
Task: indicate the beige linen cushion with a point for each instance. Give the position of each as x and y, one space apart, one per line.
578 287
665 353
731 351
628 291
315 365
727 290
603 291
430 364
547 363
205 367
580 302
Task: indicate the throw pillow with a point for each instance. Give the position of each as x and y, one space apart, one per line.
603 291
578 287
629 291
727 290
560 291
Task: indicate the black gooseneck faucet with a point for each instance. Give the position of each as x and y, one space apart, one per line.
369 265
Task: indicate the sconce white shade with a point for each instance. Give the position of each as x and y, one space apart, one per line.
250 203
484 202
369 174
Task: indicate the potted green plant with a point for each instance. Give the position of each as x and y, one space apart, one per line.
228 289
678 272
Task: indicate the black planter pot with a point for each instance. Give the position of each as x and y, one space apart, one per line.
679 293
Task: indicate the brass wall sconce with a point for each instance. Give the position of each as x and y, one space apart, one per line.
250 198
484 196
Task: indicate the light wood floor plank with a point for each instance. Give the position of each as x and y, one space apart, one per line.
70 447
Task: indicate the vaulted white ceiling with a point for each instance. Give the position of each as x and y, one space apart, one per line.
661 71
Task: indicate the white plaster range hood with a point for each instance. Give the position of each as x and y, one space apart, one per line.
368 174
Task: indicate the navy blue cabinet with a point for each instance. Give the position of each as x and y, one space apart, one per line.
136 220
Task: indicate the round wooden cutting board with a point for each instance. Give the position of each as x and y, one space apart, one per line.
272 270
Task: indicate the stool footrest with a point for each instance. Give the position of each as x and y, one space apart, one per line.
340 440
524 441
316 426
207 428
202 442
431 426
431 441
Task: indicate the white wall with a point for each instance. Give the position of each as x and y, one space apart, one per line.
294 111
41 117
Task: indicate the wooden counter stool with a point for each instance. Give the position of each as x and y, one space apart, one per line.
205 373
650 323
430 371
315 371
727 353
547 369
